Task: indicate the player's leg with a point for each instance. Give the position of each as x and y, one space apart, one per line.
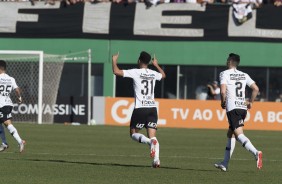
136 125
238 124
151 126
155 147
230 146
4 144
136 136
13 131
247 144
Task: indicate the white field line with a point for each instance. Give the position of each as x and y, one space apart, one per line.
142 156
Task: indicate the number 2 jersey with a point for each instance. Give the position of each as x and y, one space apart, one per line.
144 80
236 82
7 85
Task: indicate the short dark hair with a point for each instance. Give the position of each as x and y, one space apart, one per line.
3 64
145 57
234 57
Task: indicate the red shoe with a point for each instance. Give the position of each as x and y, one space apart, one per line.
259 159
154 143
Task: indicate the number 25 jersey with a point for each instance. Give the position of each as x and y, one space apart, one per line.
7 85
236 82
144 80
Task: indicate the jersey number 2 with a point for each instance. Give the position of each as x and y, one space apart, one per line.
239 92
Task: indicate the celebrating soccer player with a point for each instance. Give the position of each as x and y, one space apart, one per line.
145 111
232 89
7 85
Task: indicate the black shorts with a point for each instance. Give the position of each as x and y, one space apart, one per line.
236 118
144 117
5 113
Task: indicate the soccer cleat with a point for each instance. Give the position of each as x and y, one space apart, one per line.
259 159
156 163
3 147
154 143
21 145
220 166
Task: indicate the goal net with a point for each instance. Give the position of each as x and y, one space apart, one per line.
38 75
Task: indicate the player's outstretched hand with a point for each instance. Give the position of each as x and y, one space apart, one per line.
155 61
115 57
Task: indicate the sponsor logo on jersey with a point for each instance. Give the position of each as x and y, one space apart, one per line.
240 103
147 76
148 102
237 76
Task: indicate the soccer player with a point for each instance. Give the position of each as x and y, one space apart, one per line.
4 144
232 89
145 111
7 85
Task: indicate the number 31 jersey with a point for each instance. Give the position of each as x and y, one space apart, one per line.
144 84
236 82
7 85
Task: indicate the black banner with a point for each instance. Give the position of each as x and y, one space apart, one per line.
71 109
183 22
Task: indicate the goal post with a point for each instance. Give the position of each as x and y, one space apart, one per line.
39 76
38 54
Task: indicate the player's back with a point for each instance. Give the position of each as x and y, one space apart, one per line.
236 82
144 80
7 84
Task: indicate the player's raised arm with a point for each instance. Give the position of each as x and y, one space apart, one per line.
116 69
155 63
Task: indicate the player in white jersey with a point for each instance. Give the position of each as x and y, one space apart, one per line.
232 89
145 111
7 85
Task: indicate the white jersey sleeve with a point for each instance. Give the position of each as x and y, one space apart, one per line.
223 78
14 84
129 73
144 81
249 81
158 75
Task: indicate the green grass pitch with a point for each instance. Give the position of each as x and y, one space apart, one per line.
60 154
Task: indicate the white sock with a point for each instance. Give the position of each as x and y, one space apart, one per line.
230 146
157 149
246 143
141 138
14 133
